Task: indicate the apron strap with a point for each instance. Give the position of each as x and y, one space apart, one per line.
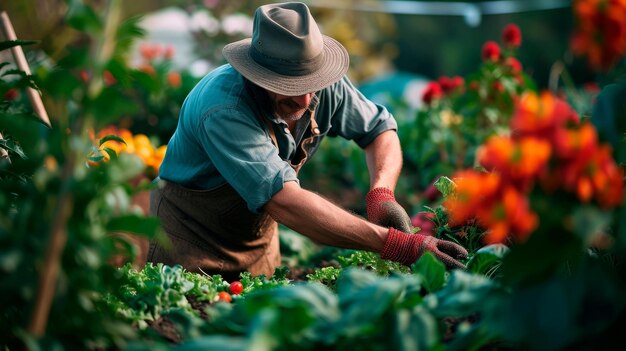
314 128
270 128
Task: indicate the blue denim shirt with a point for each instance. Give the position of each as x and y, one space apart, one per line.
221 137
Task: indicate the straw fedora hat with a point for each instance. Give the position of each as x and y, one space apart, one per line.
287 53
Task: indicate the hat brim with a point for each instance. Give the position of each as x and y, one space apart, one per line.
335 64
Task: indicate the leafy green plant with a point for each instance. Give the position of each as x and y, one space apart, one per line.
59 218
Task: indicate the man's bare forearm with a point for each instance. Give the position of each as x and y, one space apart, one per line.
322 221
384 160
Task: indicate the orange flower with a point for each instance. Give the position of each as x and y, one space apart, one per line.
600 32
541 115
149 52
472 189
174 79
608 179
570 143
116 145
595 175
508 215
517 160
148 68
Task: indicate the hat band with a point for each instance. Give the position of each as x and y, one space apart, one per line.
287 67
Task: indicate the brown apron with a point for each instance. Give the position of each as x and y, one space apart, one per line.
213 231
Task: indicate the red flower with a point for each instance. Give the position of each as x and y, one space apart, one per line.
108 78
431 193
84 75
432 92
491 51
11 94
512 36
423 220
513 65
450 84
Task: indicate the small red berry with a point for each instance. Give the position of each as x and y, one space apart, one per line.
236 288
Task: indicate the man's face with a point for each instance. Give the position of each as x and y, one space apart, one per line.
289 108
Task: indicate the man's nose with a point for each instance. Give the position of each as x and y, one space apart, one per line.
303 100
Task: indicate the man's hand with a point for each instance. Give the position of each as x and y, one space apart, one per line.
384 210
407 248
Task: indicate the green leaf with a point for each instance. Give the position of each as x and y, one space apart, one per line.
463 294
82 17
487 259
541 255
609 114
364 308
112 154
148 226
415 329
12 43
432 271
29 117
111 137
96 158
14 147
214 342
110 105
445 185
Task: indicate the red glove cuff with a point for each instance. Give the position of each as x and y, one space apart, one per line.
378 195
374 199
401 247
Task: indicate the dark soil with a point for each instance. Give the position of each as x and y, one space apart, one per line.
166 329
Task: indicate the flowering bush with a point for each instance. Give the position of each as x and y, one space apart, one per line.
460 113
549 150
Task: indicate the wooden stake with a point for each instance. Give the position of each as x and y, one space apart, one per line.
22 64
50 271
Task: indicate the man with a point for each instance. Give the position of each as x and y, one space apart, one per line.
230 171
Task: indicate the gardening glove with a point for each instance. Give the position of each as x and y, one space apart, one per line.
384 210
407 248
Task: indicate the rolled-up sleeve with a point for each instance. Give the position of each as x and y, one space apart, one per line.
355 117
243 153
